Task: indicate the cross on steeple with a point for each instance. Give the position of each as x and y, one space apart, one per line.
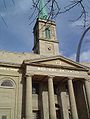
42 10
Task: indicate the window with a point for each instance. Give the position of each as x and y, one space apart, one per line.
47 33
4 117
35 88
7 83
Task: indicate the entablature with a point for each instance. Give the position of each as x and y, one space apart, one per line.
42 70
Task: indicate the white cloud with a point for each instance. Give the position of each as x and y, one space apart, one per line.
72 57
84 57
77 23
80 23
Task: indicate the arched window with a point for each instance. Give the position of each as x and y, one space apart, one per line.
47 33
7 83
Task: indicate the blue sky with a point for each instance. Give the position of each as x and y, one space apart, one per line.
18 36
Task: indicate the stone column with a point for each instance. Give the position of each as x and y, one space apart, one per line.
63 101
52 110
87 88
29 97
43 98
19 108
72 99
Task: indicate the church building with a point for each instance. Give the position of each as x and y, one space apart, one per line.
43 84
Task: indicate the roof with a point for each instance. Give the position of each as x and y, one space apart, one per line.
67 62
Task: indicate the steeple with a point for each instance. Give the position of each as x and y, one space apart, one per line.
42 10
45 40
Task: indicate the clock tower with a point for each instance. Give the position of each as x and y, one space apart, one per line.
45 40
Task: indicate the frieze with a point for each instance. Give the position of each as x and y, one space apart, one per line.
56 71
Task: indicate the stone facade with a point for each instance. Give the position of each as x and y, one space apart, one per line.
45 85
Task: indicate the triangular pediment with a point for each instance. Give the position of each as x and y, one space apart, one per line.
57 61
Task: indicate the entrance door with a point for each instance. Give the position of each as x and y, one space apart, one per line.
5 114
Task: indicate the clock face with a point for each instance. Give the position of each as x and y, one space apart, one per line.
49 48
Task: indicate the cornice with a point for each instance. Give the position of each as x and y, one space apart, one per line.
56 66
49 40
58 57
7 64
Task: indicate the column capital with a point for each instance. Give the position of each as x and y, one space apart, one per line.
70 78
87 79
89 72
51 76
29 75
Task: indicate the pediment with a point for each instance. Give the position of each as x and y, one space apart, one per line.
57 61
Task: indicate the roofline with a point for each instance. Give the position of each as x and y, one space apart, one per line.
10 64
54 57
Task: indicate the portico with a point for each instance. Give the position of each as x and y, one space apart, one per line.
51 75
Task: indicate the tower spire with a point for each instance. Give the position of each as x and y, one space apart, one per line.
42 10
45 40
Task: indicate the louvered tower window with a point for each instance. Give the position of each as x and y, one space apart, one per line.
47 33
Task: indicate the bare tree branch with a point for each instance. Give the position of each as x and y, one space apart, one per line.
3 20
39 12
55 10
5 6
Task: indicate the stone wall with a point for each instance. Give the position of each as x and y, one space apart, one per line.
12 57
